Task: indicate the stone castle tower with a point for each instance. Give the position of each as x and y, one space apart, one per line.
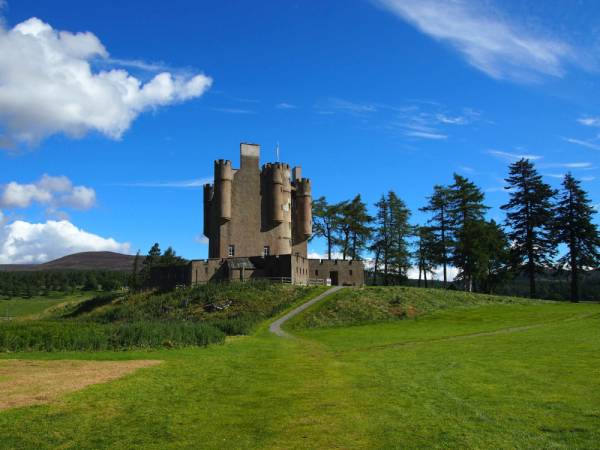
258 221
254 211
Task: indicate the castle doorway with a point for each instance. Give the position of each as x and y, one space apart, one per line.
333 275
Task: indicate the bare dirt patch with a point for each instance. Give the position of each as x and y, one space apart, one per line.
25 383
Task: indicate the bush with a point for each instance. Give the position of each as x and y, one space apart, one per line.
83 336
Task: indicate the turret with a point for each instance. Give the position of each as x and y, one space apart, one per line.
208 197
222 188
303 216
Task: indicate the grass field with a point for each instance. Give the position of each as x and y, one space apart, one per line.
476 374
22 307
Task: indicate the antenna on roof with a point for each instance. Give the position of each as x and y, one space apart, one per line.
277 151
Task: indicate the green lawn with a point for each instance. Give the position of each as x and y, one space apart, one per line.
20 307
523 375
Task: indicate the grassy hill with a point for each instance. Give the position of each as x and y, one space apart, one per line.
463 371
385 304
79 261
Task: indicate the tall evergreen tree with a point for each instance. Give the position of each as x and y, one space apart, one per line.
325 222
392 231
381 237
529 218
573 227
438 205
427 252
400 231
354 231
466 212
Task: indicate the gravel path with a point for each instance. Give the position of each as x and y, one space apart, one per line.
276 326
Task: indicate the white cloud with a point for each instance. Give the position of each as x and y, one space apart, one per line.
23 242
80 197
572 165
513 156
438 273
495 46
52 191
582 143
425 135
589 121
48 86
317 255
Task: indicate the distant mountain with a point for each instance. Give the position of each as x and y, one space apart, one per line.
79 261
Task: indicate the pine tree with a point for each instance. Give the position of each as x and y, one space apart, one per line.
427 252
573 227
381 237
401 230
353 227
466 212
438 206
529 217
325 222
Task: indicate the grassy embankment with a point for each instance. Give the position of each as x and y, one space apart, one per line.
459 375
196 316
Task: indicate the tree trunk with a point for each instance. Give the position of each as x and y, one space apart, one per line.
376 267
420 268
444 257
425 276
329 239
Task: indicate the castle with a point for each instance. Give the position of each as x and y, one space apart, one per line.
258 222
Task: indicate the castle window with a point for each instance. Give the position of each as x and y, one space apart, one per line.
350 272
316 272
231 251
266 250
206 270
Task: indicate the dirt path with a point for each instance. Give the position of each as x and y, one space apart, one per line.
276 326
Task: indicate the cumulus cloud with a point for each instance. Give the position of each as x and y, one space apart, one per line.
48 86
497 47
51 191
28 243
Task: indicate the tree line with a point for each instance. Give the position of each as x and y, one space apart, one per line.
540 222
31 284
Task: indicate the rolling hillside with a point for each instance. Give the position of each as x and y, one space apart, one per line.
80 261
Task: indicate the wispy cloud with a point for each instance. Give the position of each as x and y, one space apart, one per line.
284 105
571 165
425 135
583 143
495 45
589 121
426 121
138 64
196 183
234 110
417 119
346 106
507 156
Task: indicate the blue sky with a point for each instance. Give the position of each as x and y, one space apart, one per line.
366 96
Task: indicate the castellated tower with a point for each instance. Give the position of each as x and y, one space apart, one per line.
254 211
